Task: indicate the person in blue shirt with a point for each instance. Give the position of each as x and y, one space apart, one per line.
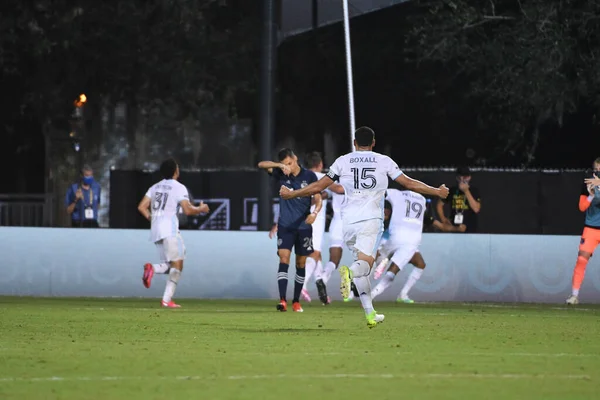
294 222
82 200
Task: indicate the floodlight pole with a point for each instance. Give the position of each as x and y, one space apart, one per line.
267 109
349 73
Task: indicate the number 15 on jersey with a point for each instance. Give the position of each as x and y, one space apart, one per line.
363 178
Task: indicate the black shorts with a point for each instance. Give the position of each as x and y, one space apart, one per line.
299 239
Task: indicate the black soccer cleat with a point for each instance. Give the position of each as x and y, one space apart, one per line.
354 289
322 290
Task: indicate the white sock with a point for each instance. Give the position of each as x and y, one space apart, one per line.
319 271
412 279
363 285
329 268
161 268
576 292
309 267
360 268
384 283
174 275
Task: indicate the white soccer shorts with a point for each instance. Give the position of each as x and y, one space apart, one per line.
336 232
403 252
364 237
171 249
318 231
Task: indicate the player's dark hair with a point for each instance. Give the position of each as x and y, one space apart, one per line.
313 159
463 171
168 168
364 136
285 153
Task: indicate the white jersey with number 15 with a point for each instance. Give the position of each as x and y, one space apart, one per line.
364 176
165 197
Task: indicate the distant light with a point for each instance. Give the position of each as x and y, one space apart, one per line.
81 101
76 147
72 134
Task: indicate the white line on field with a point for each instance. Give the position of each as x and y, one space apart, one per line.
421 312
284 376
521 306
400 353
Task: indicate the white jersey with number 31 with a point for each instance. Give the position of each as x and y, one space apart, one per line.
165 197
364 176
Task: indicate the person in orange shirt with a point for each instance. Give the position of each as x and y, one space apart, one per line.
589 203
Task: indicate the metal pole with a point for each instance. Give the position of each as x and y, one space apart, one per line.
267 109
349 72
315 15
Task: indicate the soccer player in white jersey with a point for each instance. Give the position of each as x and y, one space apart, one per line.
336 236
406 232
314 266
364 175
160 206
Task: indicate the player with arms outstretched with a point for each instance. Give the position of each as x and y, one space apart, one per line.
294 228
589 203
364 175
160 206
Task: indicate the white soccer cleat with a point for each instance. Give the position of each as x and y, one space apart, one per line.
305 295
572 300
380 267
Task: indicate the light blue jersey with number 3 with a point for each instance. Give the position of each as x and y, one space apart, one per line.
364 176
165 197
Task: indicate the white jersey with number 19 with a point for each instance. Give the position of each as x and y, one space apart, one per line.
408 211
165 197
364 176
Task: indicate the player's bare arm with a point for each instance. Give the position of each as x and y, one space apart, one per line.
310 190
336 188
271 165
318 202
144 207
273 231
420 187
189 209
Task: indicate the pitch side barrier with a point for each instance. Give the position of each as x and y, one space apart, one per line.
107 263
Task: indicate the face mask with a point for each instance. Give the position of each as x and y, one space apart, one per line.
88 180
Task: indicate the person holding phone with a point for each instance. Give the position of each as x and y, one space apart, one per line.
589 203
464 202
82 200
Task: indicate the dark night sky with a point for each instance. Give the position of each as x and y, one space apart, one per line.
389 97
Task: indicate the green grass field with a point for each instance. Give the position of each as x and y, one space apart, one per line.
131 349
